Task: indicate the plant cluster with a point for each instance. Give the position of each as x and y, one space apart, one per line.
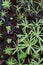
28 47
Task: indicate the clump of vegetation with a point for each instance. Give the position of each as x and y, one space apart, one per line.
9 40
8 28
8 50
6 4
11 61
21 32
3 14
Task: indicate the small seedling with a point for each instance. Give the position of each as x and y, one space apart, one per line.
8 50
6 4
9 40
8 28
11 61
20 17
3 13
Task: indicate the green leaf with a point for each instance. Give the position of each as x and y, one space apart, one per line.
8 50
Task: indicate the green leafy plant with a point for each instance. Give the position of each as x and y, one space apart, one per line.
9 40
20 17
28 40
35 62
27 44
6 4
8 28
25 24
11 61
3 13
8 50
37 32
